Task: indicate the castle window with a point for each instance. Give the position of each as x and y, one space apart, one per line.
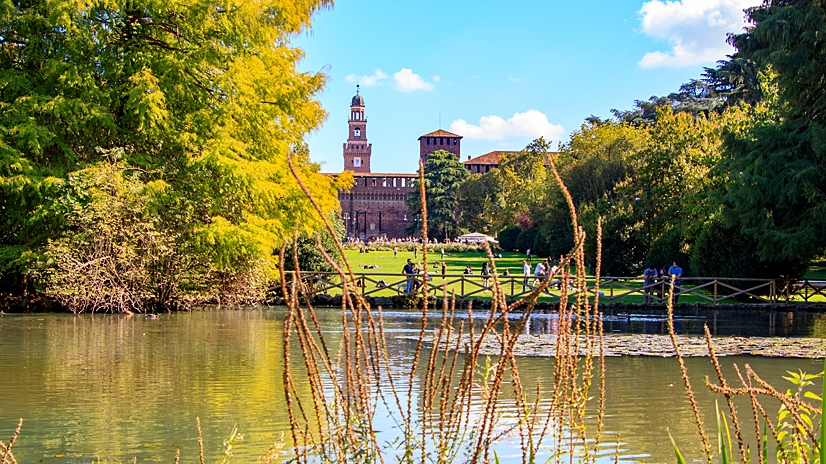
357 132
374 182
394 182
402 181
357 162
384 182
455 141
372 226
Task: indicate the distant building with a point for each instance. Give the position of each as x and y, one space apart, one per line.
484 163
439 140
374 207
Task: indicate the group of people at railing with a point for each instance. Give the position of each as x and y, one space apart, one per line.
657 280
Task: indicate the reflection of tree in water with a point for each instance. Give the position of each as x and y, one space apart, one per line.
817 327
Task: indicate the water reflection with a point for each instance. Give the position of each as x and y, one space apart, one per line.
122 387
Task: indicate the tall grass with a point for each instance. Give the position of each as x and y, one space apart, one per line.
461 393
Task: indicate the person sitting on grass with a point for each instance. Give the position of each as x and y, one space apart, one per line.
468 270
368 266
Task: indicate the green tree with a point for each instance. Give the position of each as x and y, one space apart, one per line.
443 174
507 237
778 168
479 198
200 95
522 180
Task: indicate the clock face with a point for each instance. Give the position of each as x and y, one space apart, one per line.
357 132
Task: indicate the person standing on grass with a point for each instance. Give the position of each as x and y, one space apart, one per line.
485 272
526 269
395 252
408 271
442 251
529 254
650 281
676 272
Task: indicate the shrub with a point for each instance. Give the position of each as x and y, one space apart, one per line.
507 237
526 239
670 247
722 251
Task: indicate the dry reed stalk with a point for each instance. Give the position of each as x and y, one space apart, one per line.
177 456
683 371
200 440
753 399
723 384
791 403
361 388
7 448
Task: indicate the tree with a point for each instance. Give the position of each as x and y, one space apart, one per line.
778 167
443 174
200 96
479 198
507 237
522 179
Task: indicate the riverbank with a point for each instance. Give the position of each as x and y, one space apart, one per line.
660 346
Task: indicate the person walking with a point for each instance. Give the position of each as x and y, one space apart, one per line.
485 272
395 252
526 269
538 273
649 283
408 270
442 251
676 273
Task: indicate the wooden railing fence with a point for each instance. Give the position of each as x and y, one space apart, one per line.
714 290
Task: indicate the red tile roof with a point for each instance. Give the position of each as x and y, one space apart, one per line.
492 158
440 133
488 158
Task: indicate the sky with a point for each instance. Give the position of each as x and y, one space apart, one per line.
500 74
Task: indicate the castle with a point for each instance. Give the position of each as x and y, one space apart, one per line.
374 207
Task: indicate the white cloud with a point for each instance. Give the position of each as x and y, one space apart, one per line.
531 123
695 29
407 81
369 80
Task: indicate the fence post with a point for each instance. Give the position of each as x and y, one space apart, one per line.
511 287
715 291
773 294
612 290
463 285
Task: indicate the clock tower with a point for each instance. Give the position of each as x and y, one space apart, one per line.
356 150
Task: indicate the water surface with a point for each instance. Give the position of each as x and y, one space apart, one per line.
119 387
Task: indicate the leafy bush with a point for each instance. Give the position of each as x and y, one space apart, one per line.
526 239
670 247
507 237
722 251
310 257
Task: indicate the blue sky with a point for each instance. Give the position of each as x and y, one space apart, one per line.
500 74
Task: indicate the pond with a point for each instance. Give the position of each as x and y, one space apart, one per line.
117 388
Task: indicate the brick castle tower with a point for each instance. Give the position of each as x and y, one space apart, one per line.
356 150
439 140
